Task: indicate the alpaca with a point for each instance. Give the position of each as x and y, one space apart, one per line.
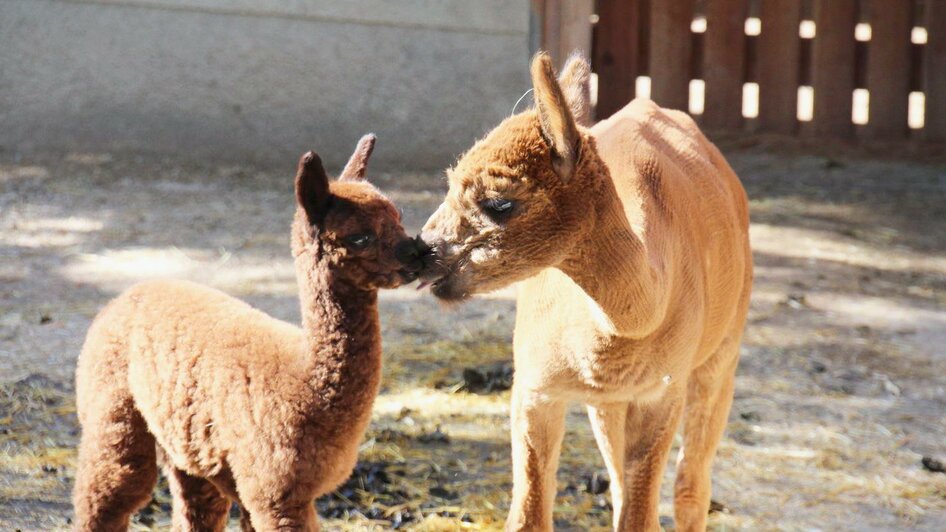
630 239
239 406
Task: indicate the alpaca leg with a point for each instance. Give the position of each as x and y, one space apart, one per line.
274 494
299 517
117 468
538 425
649 432
607 423
709 398
245 524
198 504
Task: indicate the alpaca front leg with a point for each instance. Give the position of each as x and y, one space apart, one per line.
608 424
274 494
538 424
284 517
649 432
246 525
198 504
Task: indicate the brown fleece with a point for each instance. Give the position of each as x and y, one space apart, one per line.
630 239
241 406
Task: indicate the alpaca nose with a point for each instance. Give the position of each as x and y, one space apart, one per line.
410 252
423 250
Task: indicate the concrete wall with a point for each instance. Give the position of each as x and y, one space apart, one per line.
260 79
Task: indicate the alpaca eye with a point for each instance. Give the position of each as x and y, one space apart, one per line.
497 208
359 241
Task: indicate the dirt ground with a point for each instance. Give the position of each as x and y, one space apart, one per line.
841 390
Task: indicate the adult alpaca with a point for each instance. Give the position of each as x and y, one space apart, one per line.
631 241
241 406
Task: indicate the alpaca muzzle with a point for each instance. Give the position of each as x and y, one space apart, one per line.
433 258
411 252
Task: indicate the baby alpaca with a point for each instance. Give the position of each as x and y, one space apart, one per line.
239 406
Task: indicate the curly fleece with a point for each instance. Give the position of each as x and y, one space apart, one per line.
237 405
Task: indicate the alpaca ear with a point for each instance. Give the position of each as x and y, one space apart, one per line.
358 164
555 117
575 80
312 188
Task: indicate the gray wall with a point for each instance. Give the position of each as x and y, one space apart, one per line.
260 80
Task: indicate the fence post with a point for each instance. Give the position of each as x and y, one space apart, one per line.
724 63
670 50
833 67
778 57
935 82
566 28
616 53
552 28
888 68
536 25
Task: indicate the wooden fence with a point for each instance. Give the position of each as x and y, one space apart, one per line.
827 68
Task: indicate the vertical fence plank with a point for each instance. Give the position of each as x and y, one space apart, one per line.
935 68
536 25
670 49
888 68
643 58
566 27
779 55
724 67
575 29
551 28
616 53
833 67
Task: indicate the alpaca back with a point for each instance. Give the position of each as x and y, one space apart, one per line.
187 355
679 193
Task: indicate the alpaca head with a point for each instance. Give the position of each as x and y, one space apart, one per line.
518 198
350 226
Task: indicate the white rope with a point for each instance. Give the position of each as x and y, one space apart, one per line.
519 101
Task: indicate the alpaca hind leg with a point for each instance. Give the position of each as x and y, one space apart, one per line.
709 397
117 468
198 505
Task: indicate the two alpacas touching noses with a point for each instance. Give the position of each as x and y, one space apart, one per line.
629 238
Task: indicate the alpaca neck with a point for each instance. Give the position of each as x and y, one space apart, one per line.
621 271
342 345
